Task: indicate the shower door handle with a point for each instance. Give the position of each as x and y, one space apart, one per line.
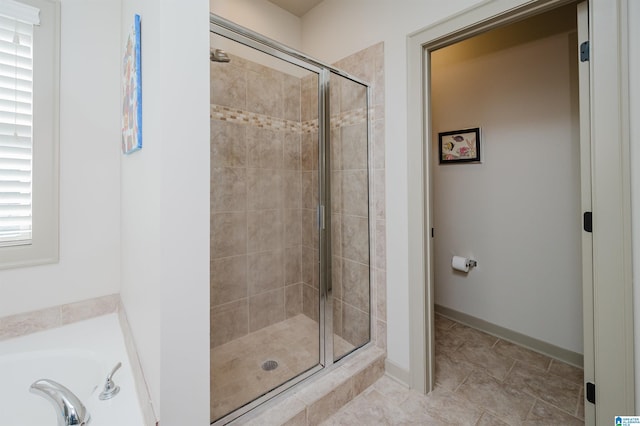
321 222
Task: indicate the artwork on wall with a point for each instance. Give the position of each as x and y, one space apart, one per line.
132 91
459 146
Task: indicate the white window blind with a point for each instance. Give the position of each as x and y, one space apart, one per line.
16 129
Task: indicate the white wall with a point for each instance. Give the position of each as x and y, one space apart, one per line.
141 206
263 17
165 209
89 167
337 28
517 213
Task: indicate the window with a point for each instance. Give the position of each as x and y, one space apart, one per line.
29 79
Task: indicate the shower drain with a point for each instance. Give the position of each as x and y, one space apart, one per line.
269 365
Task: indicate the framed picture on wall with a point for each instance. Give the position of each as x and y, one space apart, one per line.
459 146
132 91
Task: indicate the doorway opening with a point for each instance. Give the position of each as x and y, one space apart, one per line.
508 196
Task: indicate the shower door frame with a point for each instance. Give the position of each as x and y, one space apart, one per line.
244 36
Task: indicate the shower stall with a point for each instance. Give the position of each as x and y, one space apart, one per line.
290 218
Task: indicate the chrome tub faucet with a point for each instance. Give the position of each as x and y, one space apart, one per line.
71 411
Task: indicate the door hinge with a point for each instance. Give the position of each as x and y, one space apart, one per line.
433 232
591 392
587 221
584 51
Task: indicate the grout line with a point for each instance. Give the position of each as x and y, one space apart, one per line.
510 370
580 397
531 408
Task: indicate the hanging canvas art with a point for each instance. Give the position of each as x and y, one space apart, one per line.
132 91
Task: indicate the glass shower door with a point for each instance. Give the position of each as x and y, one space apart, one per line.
264 231
349 188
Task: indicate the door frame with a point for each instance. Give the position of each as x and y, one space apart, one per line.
612 334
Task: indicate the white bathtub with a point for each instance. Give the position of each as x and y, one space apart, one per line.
78 356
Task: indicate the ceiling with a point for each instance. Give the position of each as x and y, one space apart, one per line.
297 7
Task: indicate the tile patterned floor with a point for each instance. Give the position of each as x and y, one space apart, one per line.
237 376
480 380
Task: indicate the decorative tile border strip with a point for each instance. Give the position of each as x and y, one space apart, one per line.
233 115
57 316
254 119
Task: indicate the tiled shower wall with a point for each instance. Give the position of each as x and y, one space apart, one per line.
255 284
256 228
309 160
352 262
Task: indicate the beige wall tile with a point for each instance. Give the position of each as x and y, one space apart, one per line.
309 151
291 151
292 189
309 101
337 320
336 148
354 147
353 95
310 301
265 271
264 189
229 87
229 321
336 234
355 325
293 300
228 189
355 193
292 94
309 228
379 194
381 245
264 148
292 227
381 294
378 145
355 284
355 239
228 279
266 309
228 234
293 265
265 230
337 184
228 144
381 335
264 94
336 277
309 189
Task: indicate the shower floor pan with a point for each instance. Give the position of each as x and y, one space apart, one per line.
238 373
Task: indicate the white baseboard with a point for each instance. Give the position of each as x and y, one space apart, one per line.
397 373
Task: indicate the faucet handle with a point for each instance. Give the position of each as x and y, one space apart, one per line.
110 388
110 376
